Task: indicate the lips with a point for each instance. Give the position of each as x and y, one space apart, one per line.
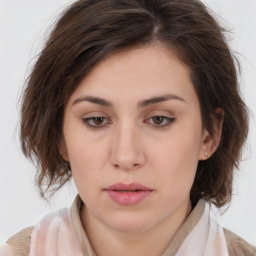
128 194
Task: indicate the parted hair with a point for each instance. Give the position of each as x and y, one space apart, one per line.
87 32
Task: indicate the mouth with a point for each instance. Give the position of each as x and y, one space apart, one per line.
128 194
128 191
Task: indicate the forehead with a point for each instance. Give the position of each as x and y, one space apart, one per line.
138 72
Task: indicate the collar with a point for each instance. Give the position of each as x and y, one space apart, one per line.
173 247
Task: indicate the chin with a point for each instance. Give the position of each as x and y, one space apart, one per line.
130 224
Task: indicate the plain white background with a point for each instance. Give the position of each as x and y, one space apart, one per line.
24 25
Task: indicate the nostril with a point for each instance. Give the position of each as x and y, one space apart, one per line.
126 166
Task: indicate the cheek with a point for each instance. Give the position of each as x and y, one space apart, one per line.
83 149
176 159
86 158
85 170
89 161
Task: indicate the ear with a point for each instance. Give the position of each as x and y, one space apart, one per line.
210 142
63 150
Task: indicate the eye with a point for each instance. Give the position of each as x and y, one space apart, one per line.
160 121
96 122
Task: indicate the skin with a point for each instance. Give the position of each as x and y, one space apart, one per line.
132 143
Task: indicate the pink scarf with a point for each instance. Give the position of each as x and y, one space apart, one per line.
55 236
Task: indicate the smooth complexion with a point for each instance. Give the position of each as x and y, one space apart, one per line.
135 118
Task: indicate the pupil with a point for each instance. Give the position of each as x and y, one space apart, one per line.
98 120
158 119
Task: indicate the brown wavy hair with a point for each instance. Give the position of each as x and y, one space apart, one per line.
89 31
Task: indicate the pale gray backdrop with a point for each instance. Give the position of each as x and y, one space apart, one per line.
23 28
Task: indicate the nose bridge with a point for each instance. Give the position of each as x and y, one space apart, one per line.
127 151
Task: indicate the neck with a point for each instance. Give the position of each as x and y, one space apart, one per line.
106 241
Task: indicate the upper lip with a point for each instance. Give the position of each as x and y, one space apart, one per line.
128 187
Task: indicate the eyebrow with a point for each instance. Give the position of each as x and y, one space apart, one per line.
141 104
158 99
95 100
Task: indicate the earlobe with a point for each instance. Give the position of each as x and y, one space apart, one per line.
205 152
210 142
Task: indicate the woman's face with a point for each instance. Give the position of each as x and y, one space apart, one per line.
133 136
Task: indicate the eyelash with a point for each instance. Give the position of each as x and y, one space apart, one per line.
168 120
86 121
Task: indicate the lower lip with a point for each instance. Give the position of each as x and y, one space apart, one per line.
128 198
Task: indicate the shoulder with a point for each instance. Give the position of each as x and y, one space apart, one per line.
238 246
20 242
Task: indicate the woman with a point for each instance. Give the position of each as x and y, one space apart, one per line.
138 101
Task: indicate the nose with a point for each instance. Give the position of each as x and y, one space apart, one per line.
127 149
